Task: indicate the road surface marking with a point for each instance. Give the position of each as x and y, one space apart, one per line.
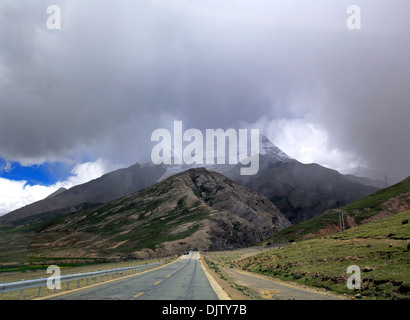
103 283
157 282
137 295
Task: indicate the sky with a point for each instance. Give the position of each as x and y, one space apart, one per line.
83 99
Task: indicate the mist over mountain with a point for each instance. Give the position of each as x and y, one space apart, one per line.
266 148
300 191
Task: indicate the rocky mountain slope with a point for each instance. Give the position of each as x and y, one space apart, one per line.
193 210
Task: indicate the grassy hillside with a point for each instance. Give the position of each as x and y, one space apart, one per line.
371 205
389 200
381 249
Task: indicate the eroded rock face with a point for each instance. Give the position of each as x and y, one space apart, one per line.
222 194
238 217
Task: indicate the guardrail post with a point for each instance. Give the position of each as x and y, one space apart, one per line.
39 291
21 295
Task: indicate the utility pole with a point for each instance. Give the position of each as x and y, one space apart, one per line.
341 221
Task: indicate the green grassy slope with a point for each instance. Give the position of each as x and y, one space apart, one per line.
328 222
381 249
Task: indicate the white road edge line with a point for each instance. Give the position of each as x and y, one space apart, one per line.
222 295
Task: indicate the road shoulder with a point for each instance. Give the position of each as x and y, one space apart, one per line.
223 288
275 289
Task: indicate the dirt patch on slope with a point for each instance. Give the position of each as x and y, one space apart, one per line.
392 206
329 229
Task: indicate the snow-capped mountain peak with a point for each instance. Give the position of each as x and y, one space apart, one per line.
267 148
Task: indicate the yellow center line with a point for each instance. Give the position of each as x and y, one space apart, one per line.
137 295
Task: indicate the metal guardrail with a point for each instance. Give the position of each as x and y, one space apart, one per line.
40 283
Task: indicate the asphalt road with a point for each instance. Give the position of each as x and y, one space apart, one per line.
181 280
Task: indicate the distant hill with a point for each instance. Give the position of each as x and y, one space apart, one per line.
193 210
380 204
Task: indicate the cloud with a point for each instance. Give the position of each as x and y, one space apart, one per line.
16 194
306 142
99 86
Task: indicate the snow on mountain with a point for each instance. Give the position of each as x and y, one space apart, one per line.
266 149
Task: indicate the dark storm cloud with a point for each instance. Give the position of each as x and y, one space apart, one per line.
118 70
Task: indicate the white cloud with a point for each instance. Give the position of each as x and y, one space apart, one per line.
306 142
16 194
85 172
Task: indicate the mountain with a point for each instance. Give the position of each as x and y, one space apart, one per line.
383 179
55 193
193 210
301 191
376 206
111 186
266 148
367 181
106 188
